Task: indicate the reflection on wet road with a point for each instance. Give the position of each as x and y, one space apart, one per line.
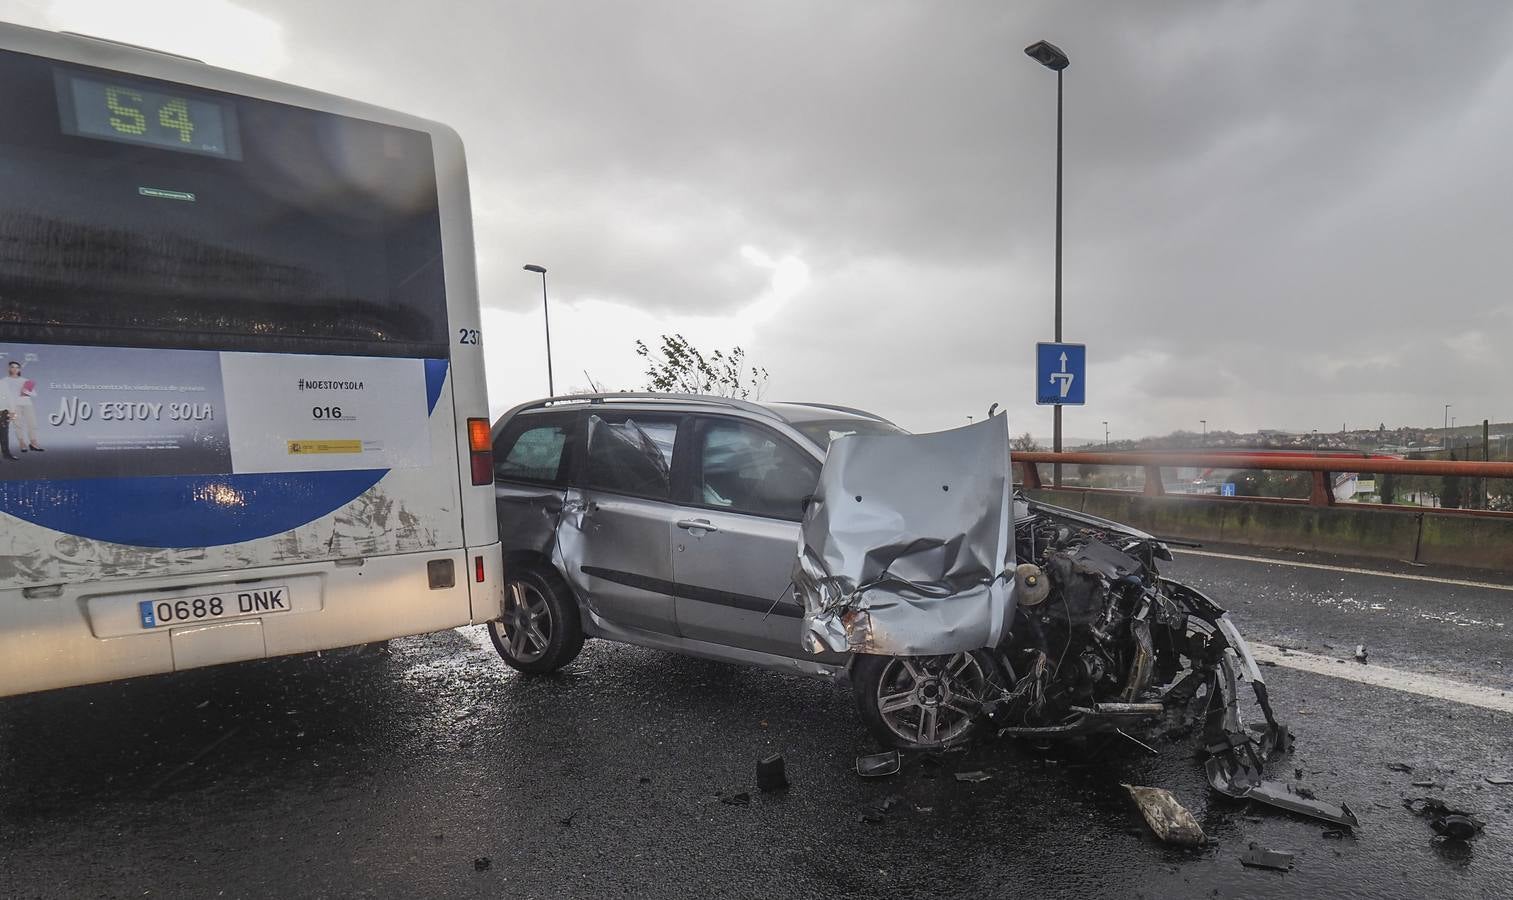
390 775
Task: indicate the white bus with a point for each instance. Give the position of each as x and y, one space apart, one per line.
241 373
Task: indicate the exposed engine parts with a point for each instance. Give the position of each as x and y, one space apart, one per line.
1101 642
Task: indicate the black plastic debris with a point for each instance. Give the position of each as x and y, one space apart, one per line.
1168 819
887 803
1445 820
1234 776
973 777
878 764
482 863
741 799
1457 826
1262 858
771 773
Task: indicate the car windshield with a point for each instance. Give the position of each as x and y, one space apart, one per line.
823 431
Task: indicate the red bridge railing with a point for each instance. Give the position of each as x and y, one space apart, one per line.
1321 467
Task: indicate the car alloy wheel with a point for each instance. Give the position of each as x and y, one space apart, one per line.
930 701
526 626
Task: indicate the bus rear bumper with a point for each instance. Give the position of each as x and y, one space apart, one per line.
54 636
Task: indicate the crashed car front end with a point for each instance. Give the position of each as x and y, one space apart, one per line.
1086 635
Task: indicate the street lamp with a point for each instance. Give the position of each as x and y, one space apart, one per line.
1050 56
1444 441
1205 431
551 391
1105 435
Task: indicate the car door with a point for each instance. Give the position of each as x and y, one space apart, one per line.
617 517
532 459
736 535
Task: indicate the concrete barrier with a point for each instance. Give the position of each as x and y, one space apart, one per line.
1480 542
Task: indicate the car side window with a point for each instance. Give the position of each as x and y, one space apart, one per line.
530 450
631 454
747 469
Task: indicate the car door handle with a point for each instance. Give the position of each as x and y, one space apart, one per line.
580 506
703 524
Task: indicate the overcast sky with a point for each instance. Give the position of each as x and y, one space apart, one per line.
1281 214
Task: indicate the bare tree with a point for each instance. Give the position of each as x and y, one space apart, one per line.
678 367
1025 441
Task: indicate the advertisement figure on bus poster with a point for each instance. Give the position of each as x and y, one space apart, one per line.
17 393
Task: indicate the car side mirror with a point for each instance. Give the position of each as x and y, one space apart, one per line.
879 764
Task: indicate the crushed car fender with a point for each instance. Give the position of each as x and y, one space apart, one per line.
907 546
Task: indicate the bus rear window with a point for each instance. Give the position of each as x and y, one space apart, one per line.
178 217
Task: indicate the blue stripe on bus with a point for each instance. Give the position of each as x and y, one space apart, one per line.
180 511
436 376
185 511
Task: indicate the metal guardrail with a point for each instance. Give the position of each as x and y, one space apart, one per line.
1321 467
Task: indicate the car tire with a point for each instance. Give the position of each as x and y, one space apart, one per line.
924 702
540 630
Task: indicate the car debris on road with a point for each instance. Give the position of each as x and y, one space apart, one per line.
1262 858
1445 820
771 773
874 765
974 610
1168 819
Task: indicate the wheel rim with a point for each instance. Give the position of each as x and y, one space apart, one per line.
525 629
931 700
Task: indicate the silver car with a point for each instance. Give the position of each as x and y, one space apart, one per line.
673 522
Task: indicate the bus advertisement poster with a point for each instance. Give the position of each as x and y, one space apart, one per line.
69 412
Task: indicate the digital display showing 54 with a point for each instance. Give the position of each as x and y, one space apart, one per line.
134 114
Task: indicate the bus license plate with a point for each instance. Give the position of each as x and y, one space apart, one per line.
233 604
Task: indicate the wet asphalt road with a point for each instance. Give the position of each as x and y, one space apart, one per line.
390 775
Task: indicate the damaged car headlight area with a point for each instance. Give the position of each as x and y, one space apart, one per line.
972 610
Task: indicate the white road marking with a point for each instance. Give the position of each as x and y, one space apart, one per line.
1349 570
1392 679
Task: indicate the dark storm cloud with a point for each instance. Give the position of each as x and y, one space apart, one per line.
1283 213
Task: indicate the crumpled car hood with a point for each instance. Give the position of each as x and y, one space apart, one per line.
908 545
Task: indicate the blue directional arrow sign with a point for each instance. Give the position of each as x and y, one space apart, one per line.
1060 374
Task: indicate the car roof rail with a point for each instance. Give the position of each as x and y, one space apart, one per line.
642 397
850 410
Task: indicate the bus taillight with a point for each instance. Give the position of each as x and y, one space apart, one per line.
481 451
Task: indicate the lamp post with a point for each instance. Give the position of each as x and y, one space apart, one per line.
1105 435
1051 56
546 316
1445 440
1205 431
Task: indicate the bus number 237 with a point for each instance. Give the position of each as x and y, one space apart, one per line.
468 335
